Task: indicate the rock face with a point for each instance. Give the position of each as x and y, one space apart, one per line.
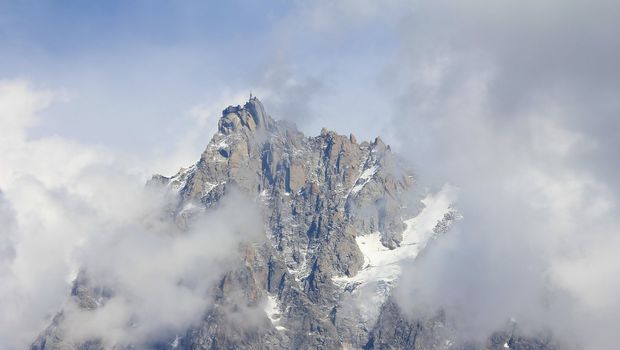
334 211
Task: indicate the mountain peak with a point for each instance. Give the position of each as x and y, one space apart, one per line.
251 116
328 205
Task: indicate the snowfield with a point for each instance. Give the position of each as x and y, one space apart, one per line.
370 287
272 310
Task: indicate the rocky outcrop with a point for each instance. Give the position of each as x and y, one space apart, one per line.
317 195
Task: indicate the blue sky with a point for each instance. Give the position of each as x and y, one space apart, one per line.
127 64
151 65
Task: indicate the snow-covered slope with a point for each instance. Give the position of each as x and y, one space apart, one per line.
370 287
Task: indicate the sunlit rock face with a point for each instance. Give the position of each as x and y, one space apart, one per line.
339 219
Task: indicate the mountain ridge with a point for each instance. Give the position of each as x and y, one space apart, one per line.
338 221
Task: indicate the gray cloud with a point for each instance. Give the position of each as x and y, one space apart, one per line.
291 94
514 102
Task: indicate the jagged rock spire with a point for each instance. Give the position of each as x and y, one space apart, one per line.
251 116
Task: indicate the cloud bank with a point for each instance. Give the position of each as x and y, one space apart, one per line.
66 207
514 103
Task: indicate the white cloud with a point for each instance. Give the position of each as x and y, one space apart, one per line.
67 206
162 278
19 106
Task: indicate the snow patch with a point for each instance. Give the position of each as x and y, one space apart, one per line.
371 285
178 181
301 271
208 187
272 309
222 144
380 262
364 178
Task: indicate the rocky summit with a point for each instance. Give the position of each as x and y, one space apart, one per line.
339 222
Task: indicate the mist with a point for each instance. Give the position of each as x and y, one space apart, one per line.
515 104
69 209
512 104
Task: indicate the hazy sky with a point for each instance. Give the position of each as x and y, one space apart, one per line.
131 71
514 102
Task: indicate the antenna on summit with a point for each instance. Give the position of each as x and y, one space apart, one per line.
250 94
